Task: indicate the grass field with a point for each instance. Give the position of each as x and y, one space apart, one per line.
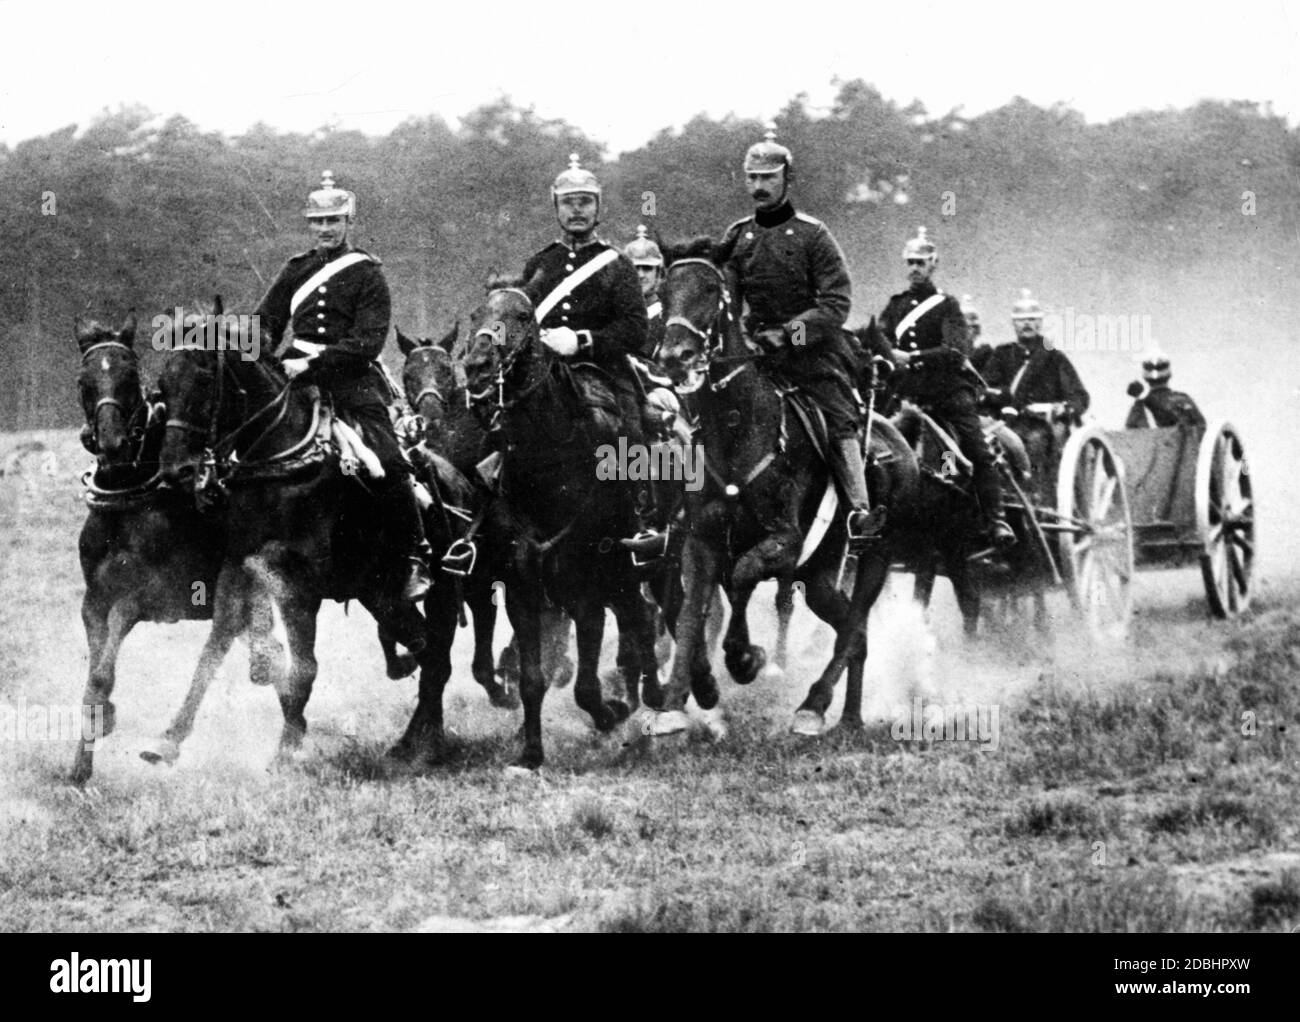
1146 788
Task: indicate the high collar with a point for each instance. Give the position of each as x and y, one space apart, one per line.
1031 344
922 290
591 239
774 217
330 254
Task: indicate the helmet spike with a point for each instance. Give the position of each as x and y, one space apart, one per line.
327 179
573 162
768 156
640 232
330 200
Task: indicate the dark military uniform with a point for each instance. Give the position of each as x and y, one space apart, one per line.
654 312
349 313
788 270
1047 377
1162 407
606 310
937 379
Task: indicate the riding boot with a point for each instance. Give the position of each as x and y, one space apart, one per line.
850 475
988 488
405 528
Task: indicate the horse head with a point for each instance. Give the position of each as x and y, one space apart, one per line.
503 344
188 383
111 395
430 378
696 313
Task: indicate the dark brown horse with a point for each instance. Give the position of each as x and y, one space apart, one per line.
765 486
146 553
564 523
244 440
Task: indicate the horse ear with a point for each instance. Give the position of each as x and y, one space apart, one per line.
404 343
449 339
127 334
218 306
84 331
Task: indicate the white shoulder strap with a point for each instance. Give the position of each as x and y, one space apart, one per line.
566 286
323 274
906 323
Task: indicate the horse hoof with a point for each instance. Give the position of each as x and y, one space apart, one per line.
504 697
163 751
773 672
715 724
745 668
400 753
613 712
667 722
518 772
402 666
808 723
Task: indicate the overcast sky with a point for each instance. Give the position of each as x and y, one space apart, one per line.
621 70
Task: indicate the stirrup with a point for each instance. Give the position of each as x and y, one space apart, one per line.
869 524
646 547
460 558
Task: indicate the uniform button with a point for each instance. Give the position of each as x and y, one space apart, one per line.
322 289
320 315
567 305
565 318
749 236
569 267
321 302
320 329
789 230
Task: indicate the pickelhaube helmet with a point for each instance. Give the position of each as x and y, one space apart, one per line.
643 251
921 247
1026 307
1155 367
768 156
575 180
328 200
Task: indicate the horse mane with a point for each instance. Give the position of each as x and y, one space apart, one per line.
700 247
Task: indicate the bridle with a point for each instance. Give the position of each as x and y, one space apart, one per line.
430 389
134 432
505 366
713 335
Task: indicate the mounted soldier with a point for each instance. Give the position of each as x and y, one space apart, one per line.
1030 371
981 351
336 300
1156 405
787 272
929 335
645 256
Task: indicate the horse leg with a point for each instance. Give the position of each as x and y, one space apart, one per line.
966 590
229 618
744 660
636 628
424 735
555 647
300 612
589 617
923 585
105 632
524 611
398 665
701 566
784 612
484 613
849 619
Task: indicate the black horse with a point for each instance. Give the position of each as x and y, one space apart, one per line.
146 553
243 439
564 523
765 488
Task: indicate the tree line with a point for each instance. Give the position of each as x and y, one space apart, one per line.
137 212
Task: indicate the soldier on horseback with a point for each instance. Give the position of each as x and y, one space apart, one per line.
929 335
789 273
1030 372
336 300
1156 404
649 262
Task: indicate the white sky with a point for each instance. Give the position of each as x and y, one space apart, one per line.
628 68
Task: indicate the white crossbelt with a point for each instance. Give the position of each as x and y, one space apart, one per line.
907 322
323 274
566 286
1019 376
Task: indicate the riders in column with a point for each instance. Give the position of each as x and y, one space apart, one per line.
981 351
1155 404
787 272
645 256
929 335
1030 371
336 301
